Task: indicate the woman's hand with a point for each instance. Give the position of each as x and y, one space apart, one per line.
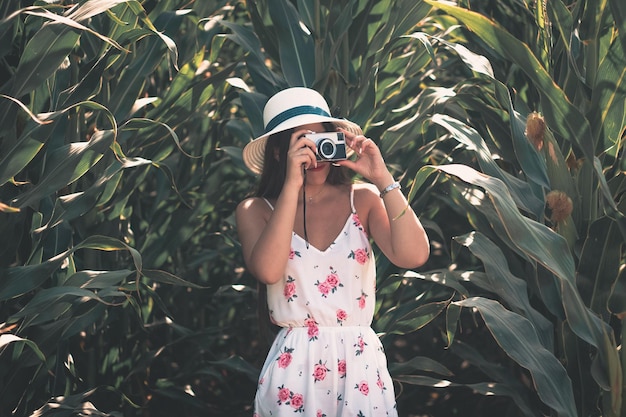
369 162
301 155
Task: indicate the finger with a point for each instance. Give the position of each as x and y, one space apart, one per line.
301 141
309 160
347 134
359 143
348 164
368 143
303 156
297 137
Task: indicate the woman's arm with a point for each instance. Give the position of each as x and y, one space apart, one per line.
265 235
391 221
396 229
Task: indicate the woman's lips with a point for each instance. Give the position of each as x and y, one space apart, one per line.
320 167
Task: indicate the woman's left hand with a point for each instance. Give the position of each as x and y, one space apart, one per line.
369 161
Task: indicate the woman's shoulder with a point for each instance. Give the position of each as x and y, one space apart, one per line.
365 190
366 197
253 206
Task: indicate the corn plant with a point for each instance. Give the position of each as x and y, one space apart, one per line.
114 205
510 140
541 145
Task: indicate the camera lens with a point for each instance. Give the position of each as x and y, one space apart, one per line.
327 148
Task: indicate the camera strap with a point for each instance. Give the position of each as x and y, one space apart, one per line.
306 237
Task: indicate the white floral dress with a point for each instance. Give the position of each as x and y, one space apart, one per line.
326 360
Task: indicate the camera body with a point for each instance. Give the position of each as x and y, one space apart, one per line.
331 146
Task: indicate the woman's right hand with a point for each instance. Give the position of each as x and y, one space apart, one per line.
300 156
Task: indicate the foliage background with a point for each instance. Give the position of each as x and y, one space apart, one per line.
122 290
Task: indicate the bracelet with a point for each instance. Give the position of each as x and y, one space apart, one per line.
388 188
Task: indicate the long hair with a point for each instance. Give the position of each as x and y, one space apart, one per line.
270 185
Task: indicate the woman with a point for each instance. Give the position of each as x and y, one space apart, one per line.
306 237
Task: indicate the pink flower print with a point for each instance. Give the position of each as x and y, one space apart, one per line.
329 285
320 414
323 288
380 382
294 253
284 394
361 300
356 221
285 358
363 387
341 368
333 279
289 291
341 316
287 397
319 371
312 329
359 255
359 345
297 402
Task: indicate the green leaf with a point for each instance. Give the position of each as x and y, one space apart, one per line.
608 99
51 303
561 114
167 278
67 21
484 388
43 54
519 340
599 265
91 8
238 364
6 339
97 279
66 164
466 135
410 317
72 206
19 280
419 363
295 46
132 78
265 81
510 289
550 250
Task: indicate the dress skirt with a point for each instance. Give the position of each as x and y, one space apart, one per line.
325 371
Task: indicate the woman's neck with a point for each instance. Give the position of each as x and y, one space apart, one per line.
313 193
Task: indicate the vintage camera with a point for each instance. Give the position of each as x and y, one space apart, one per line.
331 146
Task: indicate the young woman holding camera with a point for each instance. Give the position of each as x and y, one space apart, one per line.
306 237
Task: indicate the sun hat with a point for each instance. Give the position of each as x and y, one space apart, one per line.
285 110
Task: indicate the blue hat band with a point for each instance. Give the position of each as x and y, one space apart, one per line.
293 112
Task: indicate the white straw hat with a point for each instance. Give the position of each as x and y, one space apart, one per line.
288 109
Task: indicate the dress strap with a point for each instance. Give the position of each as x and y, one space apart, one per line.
352 199
268 203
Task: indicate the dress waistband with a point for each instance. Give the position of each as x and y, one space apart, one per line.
327 328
